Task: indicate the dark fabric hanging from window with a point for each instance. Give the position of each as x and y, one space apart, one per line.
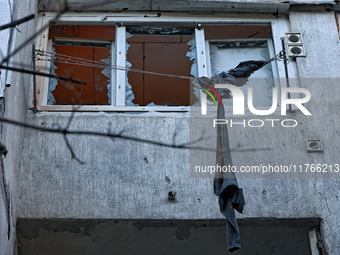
226 187
225 184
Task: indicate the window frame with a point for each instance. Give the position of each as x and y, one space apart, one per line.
46 84
279 27
273 65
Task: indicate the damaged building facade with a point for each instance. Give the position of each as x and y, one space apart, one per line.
138 59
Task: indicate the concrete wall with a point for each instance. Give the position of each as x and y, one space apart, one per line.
171 237
5 245
259 6
323 63
129 180
14 106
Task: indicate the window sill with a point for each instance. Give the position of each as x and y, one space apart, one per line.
108 108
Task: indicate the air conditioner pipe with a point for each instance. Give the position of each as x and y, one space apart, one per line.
10 60
285 62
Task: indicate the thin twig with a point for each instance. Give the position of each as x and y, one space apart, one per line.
60 31
31 38
260 31
65 130
73 155
74 109
21 70
119 135
61 12
17 22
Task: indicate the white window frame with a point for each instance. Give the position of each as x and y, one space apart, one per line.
279 27
273 65
46 90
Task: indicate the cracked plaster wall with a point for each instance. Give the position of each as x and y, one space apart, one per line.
5 245
128 180
14 105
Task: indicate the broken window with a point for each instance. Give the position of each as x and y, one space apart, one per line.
87 59
130 66
82 60
229 53
227 46
162 50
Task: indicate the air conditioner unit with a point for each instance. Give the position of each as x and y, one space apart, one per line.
295 45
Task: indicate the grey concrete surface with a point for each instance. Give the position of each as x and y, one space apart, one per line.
5 245
49 237
129 180
14 106
250 6
323 46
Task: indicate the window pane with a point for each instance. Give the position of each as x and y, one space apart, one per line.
95 91
226 55
73 47
164 54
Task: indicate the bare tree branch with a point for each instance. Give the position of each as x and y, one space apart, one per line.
31 38
61 12
73 155
17 22
21 70
64 131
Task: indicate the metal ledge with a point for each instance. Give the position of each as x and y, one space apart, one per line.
250 6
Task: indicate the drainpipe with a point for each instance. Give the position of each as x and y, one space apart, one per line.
10 61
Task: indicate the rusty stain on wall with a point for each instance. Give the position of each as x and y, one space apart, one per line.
337 23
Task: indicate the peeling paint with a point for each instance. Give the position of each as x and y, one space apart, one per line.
337 23
29 228
183 231
169 237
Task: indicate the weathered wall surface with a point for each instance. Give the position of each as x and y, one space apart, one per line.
14 106
5 245
251 6
323 47
170 237
129 180
4 34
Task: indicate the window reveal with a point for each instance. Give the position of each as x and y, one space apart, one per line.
95 92
227 46
225 55
152 49
90 62
166 54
